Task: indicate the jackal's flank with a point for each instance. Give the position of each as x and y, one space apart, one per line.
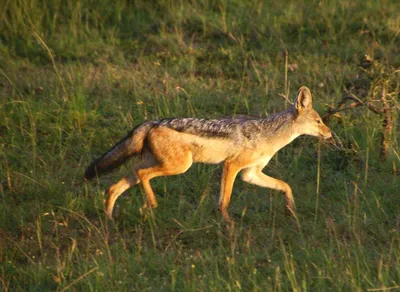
171 146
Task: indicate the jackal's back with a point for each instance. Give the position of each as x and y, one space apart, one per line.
230 128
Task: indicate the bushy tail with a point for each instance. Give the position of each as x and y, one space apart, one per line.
129 146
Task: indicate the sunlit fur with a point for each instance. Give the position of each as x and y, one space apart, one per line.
171 146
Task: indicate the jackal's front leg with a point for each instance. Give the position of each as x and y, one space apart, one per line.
255 176
228 177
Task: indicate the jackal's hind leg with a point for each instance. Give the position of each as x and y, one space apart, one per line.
147 174
173 158
117 189
255 176
145 159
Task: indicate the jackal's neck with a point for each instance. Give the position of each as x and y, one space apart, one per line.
279 123
279 129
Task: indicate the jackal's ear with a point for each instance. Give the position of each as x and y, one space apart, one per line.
303 100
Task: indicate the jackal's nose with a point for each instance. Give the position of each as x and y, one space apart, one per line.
328 134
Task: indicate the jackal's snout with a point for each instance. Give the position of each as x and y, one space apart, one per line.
325 132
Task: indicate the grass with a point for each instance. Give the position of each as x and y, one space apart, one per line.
77 75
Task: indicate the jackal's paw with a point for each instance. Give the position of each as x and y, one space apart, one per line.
228 220
290 211
143 209
230 226
147 206
108 214
146 210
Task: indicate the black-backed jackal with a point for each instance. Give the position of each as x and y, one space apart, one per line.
171 146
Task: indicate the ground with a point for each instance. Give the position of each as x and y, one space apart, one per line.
76 76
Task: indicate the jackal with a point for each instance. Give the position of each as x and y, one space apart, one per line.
171 146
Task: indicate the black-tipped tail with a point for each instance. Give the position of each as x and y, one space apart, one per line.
110 160
129 146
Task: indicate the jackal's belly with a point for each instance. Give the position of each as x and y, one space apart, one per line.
206 150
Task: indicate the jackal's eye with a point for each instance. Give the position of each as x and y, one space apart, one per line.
319 121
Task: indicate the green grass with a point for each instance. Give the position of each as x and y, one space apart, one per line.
75 76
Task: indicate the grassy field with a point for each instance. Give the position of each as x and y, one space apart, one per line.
75 76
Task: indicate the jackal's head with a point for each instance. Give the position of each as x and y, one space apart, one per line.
308 120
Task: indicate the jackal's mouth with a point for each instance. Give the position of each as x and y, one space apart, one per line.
326 136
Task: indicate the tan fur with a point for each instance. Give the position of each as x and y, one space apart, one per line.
165 151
